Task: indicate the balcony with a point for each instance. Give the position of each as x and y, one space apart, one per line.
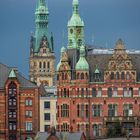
121 119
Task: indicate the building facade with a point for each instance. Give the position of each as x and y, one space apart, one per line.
48 103
19 106
42 57
98 92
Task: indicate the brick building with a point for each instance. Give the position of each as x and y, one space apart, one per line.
98 89
19 106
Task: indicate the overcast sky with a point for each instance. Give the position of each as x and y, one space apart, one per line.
105 21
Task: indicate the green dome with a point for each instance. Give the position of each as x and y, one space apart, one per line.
75 2
63 49
82 64
75 21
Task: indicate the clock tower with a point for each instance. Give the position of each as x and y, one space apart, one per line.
75 28
42 57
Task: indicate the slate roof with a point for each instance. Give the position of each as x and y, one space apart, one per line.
4 73
60 135
101 60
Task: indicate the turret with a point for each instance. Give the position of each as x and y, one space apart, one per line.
82 66
75 28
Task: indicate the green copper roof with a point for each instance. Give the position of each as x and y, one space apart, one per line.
82 64
12 74
75 19
41 23
63 49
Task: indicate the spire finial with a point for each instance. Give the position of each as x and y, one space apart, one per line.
75 6
41 3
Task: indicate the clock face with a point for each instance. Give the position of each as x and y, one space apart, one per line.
71 31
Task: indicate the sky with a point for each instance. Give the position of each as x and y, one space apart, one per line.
105 22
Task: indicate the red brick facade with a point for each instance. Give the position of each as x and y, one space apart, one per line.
100 107
19 108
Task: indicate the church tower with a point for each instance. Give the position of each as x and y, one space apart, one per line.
75 28
42 57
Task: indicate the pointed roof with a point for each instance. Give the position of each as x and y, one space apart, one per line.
75 19
96 70
120 45
82 64
12 74
7 72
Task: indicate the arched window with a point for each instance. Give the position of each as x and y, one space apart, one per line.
109 92
112 76
82 92
44 65
65 92
48 65
94 92
82 75
128 76
122 76
115 92
99 93
78 76
117 76
40 65
125 92
130 92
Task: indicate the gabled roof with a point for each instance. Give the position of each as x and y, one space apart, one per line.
9 72
60 135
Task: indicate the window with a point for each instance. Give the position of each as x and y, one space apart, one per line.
128 110
12 102
78 110
65 127
82 76
112 76
128 92
46 128
96 128
44 65
87 129
96 110
93 92
115 92
47 105
117 76
109 92
47 116
29 126
82 110
87 110
122 76
48 65
82 92
40 65
112 110
12 114
28 113
65 92
99 92
28 102
65 110
128 76
12 126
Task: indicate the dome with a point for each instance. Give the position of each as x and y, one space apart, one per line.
75 21
63 49
82 64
